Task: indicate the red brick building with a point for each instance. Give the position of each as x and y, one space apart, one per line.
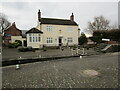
11 31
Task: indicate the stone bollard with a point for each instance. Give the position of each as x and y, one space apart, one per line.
20 57
80 57
40 56
17 66
83 51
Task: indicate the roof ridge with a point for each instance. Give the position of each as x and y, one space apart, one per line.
56 18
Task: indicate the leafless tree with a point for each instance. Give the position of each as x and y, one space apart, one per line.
4 23
114 26
99 23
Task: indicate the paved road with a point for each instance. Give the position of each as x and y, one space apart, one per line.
64 73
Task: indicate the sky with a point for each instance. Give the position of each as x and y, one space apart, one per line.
24 14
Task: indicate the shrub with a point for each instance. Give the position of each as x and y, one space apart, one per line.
15 44
82 39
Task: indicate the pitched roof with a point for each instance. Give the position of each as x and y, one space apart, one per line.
34 30
57 21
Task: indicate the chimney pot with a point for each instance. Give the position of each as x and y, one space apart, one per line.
72 17
39 15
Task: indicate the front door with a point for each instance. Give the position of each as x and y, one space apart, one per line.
25 43
60 41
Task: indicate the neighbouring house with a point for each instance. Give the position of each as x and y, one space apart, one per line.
13 33
108 41
53 32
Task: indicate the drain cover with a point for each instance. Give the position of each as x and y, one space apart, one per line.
90 72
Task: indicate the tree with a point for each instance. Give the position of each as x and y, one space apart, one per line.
99 23
4 23
112 34
82 39
97 39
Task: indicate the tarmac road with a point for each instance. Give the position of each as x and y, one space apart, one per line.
65 73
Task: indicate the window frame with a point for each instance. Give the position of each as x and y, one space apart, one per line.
49 28
49 40
70 29
34 38
69 40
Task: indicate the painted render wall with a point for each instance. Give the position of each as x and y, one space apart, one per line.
13 38
55 34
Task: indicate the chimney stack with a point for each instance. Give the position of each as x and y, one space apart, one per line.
39 15
72 17
13 24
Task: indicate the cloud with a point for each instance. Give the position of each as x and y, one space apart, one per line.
25 13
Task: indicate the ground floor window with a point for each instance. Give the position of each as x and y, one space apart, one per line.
34 37
49 40
69 40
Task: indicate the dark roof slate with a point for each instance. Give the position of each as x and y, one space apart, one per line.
57 21
34 30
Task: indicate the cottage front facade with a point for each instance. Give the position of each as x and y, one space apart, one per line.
53 32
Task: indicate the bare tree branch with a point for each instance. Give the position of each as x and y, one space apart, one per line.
99 23
4 23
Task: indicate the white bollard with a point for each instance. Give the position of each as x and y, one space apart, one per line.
20 57
40 56
17 66
80 57
83 51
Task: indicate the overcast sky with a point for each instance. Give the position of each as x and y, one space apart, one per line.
25 13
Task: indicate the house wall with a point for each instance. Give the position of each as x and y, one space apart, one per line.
13 38
55 34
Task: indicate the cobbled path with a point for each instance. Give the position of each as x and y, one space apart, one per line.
64 73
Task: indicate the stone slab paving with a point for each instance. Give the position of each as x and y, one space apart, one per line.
64 73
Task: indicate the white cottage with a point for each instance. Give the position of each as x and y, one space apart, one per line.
53 32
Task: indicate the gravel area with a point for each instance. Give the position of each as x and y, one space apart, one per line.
64 73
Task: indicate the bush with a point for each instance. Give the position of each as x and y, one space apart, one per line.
19 43
97 39
23 49
15 44
83 39
44 48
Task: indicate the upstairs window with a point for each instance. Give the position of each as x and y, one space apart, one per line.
70 29
49 28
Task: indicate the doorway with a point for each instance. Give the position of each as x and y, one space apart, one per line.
25 43
60 41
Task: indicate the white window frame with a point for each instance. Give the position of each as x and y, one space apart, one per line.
69 40
49 28
34 38
30 37
49 40
70 29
